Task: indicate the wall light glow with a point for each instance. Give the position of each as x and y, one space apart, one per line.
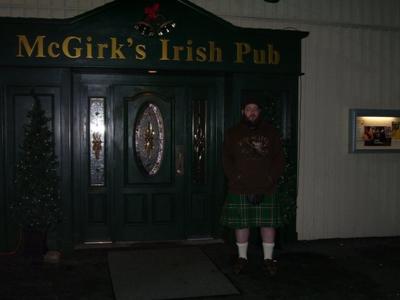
376 121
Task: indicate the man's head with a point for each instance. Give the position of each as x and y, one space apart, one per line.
251 112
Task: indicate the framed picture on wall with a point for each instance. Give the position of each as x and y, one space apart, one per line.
374 130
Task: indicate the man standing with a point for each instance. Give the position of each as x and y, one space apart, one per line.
253 161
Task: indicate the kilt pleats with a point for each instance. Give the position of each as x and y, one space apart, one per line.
237 213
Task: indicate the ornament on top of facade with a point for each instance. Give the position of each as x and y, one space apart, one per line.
154 24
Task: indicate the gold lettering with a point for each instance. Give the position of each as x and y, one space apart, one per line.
67 50
89 47
51 49
201 54
242 49
189 50
101 48
259 56
215 53
140 52
24 43
116 52
177 51
273 56
164 49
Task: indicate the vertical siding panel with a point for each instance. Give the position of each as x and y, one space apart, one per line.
377 14
384 73
234 8
309 192
315 204
5 11
326 125
280 11
358 168
43 12
342 209
314 117
309 91
305 87
258 9
383 58
248 9
57 13
43 3
356 11
18 12
57 4
345 11
291 10
331 130
270 9
333 10
340 138
309 10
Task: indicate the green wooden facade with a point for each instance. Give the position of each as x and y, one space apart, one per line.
204 67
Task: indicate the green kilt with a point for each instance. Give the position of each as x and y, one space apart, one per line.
237 213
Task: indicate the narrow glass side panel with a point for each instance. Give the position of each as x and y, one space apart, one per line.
96 141
149 139
199 141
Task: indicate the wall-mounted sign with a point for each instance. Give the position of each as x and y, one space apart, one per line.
78 47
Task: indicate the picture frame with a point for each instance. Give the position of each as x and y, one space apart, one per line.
374 130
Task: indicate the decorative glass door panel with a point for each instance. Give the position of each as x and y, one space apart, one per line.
149 139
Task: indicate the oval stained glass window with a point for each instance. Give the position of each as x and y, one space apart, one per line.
149 138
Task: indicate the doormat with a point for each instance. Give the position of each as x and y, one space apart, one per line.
171 273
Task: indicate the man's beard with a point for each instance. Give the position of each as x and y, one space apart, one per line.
251 124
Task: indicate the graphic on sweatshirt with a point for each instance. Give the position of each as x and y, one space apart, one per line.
254 147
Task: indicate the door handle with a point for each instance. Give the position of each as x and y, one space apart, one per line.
179 160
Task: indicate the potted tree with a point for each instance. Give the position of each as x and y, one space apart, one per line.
35 206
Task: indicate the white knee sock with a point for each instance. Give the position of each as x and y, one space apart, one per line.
268 249
242 249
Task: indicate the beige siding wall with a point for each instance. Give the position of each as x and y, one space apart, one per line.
351 59
47 8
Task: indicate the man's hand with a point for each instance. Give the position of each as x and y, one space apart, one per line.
254 199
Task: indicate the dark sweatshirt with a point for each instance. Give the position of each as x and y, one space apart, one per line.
253 159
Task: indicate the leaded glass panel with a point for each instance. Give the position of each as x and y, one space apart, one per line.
149 139
199 139
96 146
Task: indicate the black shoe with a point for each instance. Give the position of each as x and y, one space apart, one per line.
239 265
270 267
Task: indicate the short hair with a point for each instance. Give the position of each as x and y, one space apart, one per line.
248 101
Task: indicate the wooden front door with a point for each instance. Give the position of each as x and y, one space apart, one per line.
149 162
149 147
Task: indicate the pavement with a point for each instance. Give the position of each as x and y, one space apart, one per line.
365 268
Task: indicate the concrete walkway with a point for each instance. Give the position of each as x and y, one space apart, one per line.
324 269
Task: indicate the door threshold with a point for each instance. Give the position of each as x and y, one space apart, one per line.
136 244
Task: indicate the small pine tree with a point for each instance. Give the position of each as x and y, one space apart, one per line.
35 206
